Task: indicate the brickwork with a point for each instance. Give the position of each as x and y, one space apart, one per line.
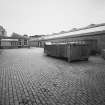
27 77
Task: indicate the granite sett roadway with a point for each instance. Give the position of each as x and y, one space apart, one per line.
28 77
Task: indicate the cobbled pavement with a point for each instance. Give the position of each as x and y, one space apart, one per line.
28 77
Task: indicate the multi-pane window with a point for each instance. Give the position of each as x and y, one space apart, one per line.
25 42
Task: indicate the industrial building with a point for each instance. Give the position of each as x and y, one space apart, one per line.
10 42
93 34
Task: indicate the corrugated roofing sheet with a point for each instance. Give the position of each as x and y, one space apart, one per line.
89 30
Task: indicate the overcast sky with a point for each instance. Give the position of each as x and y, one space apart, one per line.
47 16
